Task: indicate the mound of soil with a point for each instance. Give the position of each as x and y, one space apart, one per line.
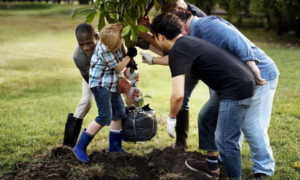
62 164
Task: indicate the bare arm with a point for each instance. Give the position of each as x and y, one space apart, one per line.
122 64
147 37
177 95
156 50
164 60
86 77
256 72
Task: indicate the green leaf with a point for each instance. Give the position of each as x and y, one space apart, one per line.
79 11
101 22
128 19
125 31
157 5
133 2
142 28
141 102
138 11
147 96
135 33
105 6
90 17
143 9
97 2
121 9
127 39
111 20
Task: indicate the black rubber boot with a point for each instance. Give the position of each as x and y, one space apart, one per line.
182 129
72 130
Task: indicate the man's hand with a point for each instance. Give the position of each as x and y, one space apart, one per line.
256 72
144 21
171 126
132 77
147 58
132 92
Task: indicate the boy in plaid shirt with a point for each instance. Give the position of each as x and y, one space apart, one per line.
107 61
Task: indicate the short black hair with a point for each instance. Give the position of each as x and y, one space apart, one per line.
183 14
85 28
168 25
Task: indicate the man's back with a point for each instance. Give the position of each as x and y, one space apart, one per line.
219 69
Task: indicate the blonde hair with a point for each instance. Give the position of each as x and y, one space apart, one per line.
110 35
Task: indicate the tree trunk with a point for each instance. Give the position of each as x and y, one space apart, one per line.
279 27
208 10
297 29
268 22
83 1
240 20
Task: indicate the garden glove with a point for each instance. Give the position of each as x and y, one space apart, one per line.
134 65
132 92
171 126
131 52
147 58
132 77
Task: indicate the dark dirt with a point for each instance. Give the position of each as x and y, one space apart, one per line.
62 164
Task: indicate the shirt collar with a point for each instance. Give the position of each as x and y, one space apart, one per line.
192 30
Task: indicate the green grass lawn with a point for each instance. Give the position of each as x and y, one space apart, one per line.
40 85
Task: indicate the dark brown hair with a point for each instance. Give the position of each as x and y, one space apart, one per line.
168 25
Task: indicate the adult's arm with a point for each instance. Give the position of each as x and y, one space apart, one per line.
164 60
177 95
256 72
86 77
147 37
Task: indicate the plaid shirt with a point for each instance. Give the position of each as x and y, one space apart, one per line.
102 72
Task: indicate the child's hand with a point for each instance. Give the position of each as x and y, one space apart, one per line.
131 52
132 77
132 92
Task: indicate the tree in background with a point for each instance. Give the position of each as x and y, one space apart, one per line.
238 9
290 10
270 10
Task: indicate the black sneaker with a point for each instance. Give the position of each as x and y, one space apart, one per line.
259 176
200 166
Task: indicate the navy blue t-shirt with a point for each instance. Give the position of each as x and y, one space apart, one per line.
216 67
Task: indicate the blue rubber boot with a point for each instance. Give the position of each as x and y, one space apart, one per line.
80 149
115 142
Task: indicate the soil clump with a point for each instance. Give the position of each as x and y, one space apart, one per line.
60 163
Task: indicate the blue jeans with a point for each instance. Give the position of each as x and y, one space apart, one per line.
191 82
256 126
219 128
110 106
